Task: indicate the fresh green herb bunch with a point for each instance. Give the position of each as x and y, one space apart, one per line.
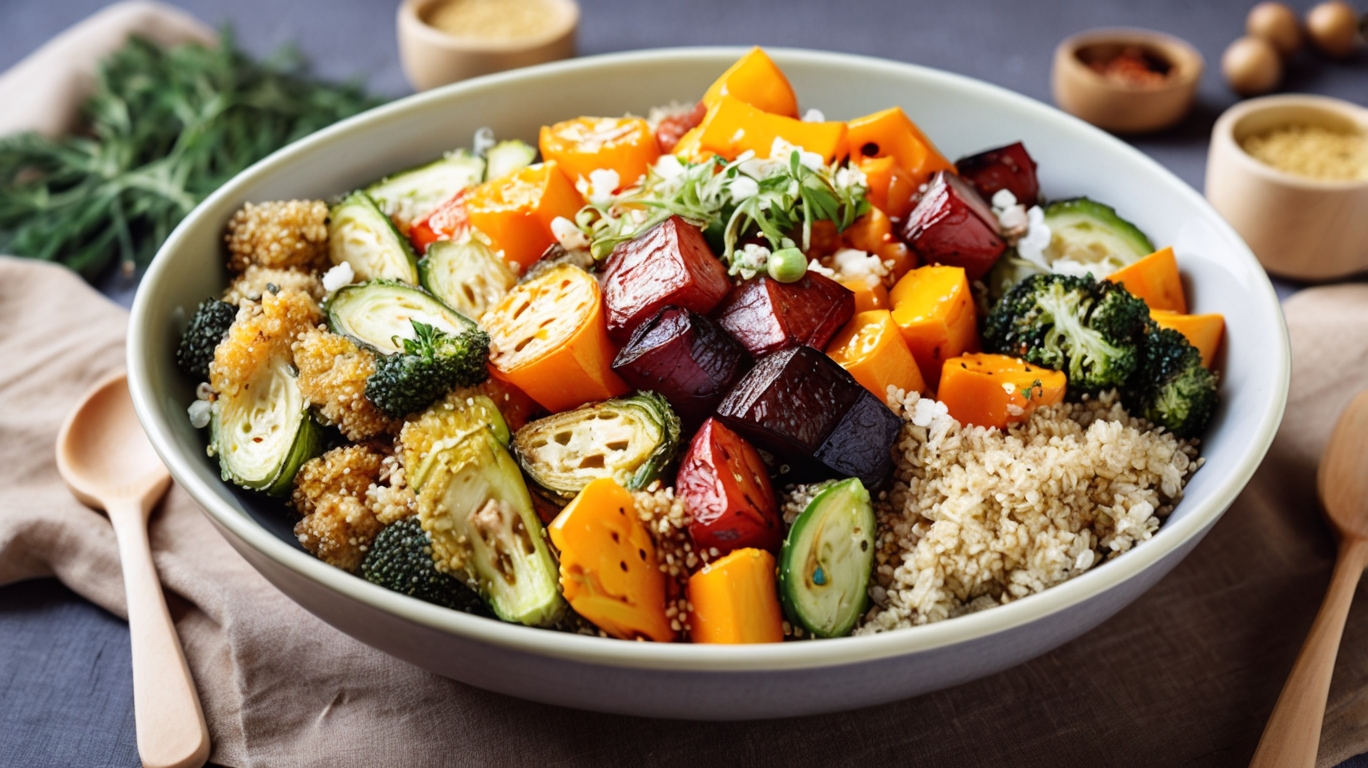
164 128
431 365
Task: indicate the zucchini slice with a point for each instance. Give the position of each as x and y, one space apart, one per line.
360 234
827 560
1090 233
410 195
445 426
467 274
628 439
508 156
265 434
476 508
380 314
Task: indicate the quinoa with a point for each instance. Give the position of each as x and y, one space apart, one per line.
667 519
332 377
259 334
978 517
330 493
1312 151
282 234
256 282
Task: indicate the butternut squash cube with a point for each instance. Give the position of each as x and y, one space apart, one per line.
934 309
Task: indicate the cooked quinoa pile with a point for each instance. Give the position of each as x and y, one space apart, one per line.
977 517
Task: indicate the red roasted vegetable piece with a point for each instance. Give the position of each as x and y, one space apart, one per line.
1009 168
726 486
672 128
953 226
766 315
670 264
447 221
686 359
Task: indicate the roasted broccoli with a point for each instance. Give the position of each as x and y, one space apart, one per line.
1171 387
1091 330
400 559
430 365
207 328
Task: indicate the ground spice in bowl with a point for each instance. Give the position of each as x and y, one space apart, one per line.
492 19
1312 151
1132 66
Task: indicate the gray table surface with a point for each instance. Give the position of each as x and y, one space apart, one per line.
65 681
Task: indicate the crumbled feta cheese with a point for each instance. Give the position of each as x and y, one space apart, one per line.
854 264
603 182
199 413
484 140
782 150
668 167
821 269
749 260
204 391
849 177
1032 245
570 237
743 188
814 115
1003 198
338 277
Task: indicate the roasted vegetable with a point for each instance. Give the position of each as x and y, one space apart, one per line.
466 275
515 211
380 314
766 315
873 350
608 566
1010 168
360 234
548 338
934 309
735 600
1171 387
990 390
685 358
1092 234
1088 329
508 156
726 485
952 225
1154 279
623 145
670 264
263 433
827 560
206 329
448 221
890 187
867 297
629 439
670 130
444 426
756 80
400 559
1202 331
733 126
411 195
476 509
890 133
430 365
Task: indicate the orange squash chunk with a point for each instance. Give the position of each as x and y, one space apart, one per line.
866 297
755 80
934 309
891 133
586 144
732 127
996 390
735 600
1203 331
890 187
608 568
872 349
548 338
1154 279
516 211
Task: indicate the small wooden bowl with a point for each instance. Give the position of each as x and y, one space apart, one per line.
1299 227
431 57
1121 107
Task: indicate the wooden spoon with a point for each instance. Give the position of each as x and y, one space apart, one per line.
106 460
1293 732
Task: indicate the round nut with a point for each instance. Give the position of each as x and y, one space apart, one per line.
1333 27
1251 66
1277 24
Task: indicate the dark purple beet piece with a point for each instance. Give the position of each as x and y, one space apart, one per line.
952 225
1009 168
685 358
861 445
766 315
670 264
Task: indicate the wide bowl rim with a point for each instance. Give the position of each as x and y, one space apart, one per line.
682 657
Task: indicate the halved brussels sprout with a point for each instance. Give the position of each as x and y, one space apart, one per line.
410 195
629 439
263 435
360 234
443 427
509 156
466 274
380 314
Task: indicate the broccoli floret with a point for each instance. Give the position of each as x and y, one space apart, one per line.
202 336
400 559
1171 387
1090 330
432 364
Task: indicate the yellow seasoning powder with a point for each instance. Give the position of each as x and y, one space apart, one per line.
1312 151
492 19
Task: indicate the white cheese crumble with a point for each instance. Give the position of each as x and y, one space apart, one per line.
854 264
600 185
199 413
338 277
814 115
1023 227
750 260
483 141
570 237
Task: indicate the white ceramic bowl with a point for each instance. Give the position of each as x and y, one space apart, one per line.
720 682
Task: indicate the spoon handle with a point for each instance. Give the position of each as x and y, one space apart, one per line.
170 723
1292 736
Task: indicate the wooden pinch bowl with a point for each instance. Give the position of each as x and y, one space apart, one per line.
1121 107
431 57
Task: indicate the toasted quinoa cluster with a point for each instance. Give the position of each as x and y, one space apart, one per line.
330 492
261 332
391 500
256 282
281 234
666 517
332 376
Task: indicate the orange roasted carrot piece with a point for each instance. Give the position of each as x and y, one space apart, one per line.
872 349
624 145
890 187
1154 279
516 211
867 297
996 390
548 337
732 127
934 309
608 568
735 600
1203 331
756 80
891 133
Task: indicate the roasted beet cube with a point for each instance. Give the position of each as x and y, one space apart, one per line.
952 225
727 488
686 359
1008 168
766 315
669 264
670 130
801 406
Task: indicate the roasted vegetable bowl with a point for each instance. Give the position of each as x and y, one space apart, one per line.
729 373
